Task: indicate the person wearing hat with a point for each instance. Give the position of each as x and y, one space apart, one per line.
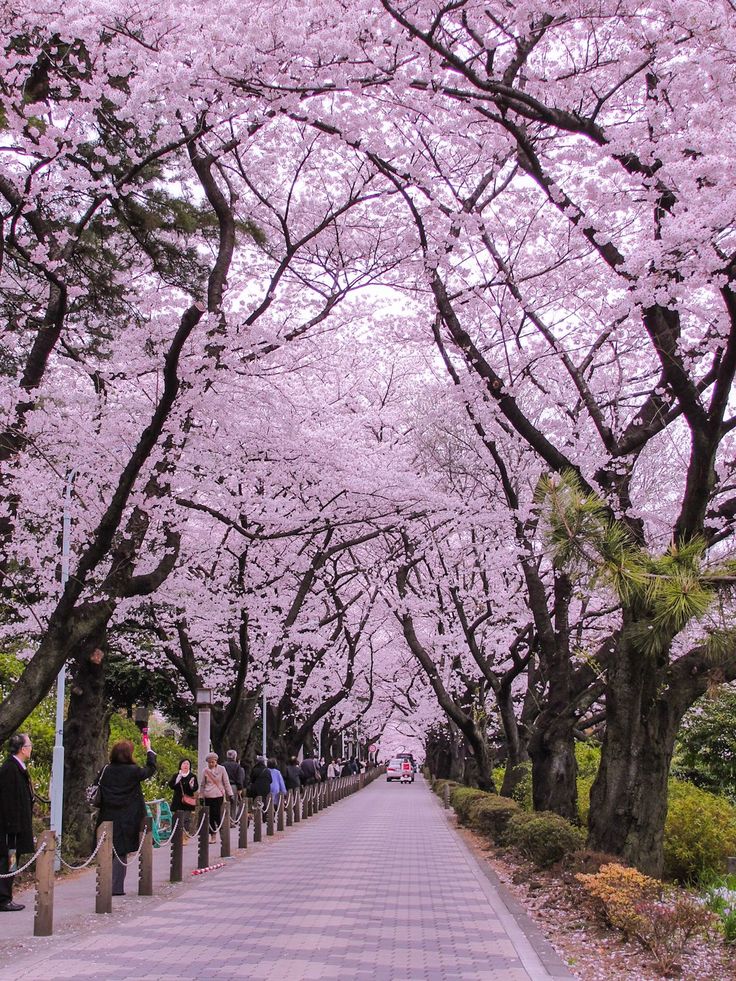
236 773
214 787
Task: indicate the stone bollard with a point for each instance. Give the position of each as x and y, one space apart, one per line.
103 898
176 866
258 819
317 798
243 829
290 808
305 804
145 861
43 920
280 822
297 806
269 817
225 830
203 844
446 795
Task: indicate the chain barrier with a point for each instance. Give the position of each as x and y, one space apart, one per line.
239 814
77 868
193 834
135 854
29 863
168 841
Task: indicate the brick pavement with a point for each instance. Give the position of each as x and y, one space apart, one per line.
379 887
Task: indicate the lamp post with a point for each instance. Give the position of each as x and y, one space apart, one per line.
264 724
57 762
203 700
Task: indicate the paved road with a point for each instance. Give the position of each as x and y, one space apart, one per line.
379 887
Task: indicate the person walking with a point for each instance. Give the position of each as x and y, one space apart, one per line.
236 773
214 788
123 804
333 770
260 779
185 786
278 786
292 778
16 815
309 771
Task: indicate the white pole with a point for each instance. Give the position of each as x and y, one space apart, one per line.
57 764
203 738
264 714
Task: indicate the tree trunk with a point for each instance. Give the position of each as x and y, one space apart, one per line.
86 736
628 801
237 732
554 767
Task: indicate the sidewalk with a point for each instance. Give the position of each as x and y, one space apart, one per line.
379 887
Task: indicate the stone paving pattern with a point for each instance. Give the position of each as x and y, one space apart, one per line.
378 887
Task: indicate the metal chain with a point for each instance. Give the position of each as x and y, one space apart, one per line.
194 834
134 855
165 844
239 814
29 863
76 868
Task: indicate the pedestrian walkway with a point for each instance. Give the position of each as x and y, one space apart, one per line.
380 887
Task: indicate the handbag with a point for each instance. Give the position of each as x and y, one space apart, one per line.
93 793
189 800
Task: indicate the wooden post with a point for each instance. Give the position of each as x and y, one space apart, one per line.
203 845
280 813
317 797
297 806
243 829
145 862
269 817
176 867
43 920
225 830
258 819
103 899
446 795
290 808
305 804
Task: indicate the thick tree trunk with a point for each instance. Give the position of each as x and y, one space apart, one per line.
86 735
236 734
628 801
516 748
554 767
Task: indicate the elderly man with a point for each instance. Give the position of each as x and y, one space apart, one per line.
16 815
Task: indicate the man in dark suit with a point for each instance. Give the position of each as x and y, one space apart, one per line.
16 814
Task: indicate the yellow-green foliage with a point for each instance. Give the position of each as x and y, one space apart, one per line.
543 837
489 815
700 832
522 791
462 798
661 918
615 893
585 785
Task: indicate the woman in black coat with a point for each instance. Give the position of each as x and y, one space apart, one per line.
184 783
122 803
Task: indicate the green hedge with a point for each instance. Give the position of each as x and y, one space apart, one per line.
699 834
490 816
462 798
544 837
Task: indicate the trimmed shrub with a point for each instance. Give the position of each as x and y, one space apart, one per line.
439 786
491 814
699 834
543 837
462 798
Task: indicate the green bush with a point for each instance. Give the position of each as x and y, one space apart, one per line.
585 785
699 834
462 798
588 757
439 786
522 792
543 837
491 814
